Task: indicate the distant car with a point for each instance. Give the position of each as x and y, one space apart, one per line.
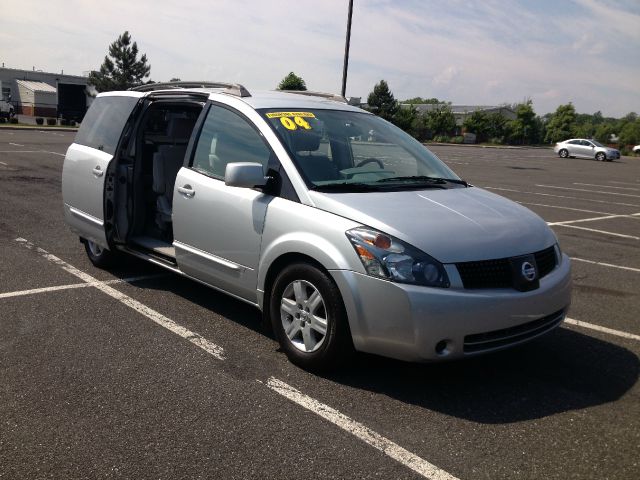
636 149
579 147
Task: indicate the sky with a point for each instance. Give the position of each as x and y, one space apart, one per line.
466 52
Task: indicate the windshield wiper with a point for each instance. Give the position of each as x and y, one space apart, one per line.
346 187
425 179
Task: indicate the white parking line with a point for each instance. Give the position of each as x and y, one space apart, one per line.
606 186
604 232
562 196
215 350
565 208
594 219
590 191
71 286
598 328
602 264
360 431
55 153
16 144
386 446
2 163
623 183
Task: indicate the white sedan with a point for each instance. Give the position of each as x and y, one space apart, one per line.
580 147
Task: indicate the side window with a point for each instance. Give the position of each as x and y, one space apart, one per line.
102 125
225 138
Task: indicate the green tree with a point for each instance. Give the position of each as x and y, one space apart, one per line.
404 118
496 127
292 82
524 128
440 120
121 69
420 129
478 123
630 133
604 131
382 102
562 124
421 101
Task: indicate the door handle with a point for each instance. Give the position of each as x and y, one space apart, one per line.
97 171
187 191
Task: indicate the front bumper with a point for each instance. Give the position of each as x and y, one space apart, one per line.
416 323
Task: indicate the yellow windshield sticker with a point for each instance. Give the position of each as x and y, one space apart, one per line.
290 114
293 124
288 123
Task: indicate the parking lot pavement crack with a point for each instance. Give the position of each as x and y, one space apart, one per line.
215 350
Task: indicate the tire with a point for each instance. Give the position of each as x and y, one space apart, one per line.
564 153
309 318
601 157
99 256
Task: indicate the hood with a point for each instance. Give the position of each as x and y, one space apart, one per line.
454 225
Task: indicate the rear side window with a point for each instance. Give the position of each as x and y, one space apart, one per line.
102 125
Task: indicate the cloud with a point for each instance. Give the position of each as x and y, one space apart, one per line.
486 52
446 76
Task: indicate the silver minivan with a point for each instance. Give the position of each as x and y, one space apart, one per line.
344 231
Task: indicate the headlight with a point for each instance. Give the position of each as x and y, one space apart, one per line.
384 256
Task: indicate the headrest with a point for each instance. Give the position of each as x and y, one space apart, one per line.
303 141
180 128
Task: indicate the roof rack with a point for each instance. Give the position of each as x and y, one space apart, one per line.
329 96
230 88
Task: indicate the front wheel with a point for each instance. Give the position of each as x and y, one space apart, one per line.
601 157
98 255
563 153
309 318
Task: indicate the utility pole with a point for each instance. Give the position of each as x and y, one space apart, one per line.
346 49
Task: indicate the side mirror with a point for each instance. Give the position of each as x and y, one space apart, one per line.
244 175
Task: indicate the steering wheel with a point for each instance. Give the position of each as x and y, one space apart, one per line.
371 160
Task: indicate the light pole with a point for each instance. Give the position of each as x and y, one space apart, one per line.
346 50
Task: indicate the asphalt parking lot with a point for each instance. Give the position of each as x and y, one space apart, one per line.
137 373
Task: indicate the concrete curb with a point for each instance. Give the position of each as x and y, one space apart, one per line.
38 127
499 147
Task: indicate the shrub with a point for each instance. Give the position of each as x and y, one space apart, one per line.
39 120
13 120
64 121
3 120
441 139
496 140
51 121
457 139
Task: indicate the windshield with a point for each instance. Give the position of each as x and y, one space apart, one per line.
339 150
597 144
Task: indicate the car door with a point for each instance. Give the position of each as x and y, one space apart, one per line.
589 149
573 146
87 160
217 228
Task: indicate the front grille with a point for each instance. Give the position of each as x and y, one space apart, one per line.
479 342
497 273
546 261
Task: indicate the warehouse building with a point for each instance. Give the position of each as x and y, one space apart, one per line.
45 94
